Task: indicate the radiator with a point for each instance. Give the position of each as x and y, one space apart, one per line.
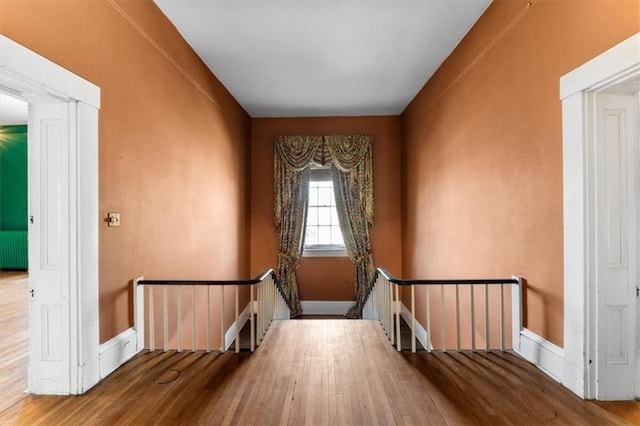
14 252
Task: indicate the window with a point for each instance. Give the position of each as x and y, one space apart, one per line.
323 236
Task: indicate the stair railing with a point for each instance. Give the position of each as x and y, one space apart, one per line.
267 302
383 303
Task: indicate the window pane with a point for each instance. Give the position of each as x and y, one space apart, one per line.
312 216
324 196
311 236
313 195
324 215
324 235
336 235
334 217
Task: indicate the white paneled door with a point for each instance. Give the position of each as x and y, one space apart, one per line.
616 245
49 248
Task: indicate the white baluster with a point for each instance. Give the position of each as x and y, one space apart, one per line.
457 318
473 319
223 343
413 319
442 325
428 318
392 328
252 319
152 323
165 319
179 318
208 319
237 320
501 317
395 310
193 318
486 317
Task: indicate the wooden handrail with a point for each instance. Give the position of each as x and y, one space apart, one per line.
255 280
405 282
261 277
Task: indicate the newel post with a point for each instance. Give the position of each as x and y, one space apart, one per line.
138 312
516 312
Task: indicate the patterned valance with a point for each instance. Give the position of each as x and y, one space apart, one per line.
349 154
296 152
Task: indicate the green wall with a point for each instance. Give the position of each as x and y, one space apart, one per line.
13 178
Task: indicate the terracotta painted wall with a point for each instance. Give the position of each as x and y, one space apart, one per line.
328 278
483 149
173 145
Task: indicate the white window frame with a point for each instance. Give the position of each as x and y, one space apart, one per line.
322 250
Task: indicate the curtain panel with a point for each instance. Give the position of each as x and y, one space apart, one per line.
352 174
292 156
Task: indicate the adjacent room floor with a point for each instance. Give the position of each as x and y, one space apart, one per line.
14 337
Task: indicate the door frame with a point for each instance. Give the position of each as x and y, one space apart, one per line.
33 78
617 65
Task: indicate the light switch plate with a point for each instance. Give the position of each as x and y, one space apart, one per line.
113 219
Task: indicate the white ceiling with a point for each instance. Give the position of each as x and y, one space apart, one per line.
323 57
12 111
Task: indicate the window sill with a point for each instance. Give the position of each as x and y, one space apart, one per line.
324 253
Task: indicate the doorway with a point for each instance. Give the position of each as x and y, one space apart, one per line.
63 219
601 224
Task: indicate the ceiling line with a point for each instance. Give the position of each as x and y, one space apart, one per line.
474 61
179 67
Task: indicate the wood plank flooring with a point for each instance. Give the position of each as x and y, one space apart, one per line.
341 372
14 337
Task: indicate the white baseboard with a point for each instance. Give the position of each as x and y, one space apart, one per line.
543 354
117 351
421 333
574 378
230 334
321 307
90 374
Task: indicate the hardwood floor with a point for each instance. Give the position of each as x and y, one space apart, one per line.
14 337
628 411
319 372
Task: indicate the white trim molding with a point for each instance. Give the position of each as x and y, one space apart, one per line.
326 307
230 334
117 351
606 69
421 333
615 65
16 61
541 353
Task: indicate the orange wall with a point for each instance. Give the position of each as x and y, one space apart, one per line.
173 145
482 151
328 278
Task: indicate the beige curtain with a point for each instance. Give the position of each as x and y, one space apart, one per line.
292 156
352 174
